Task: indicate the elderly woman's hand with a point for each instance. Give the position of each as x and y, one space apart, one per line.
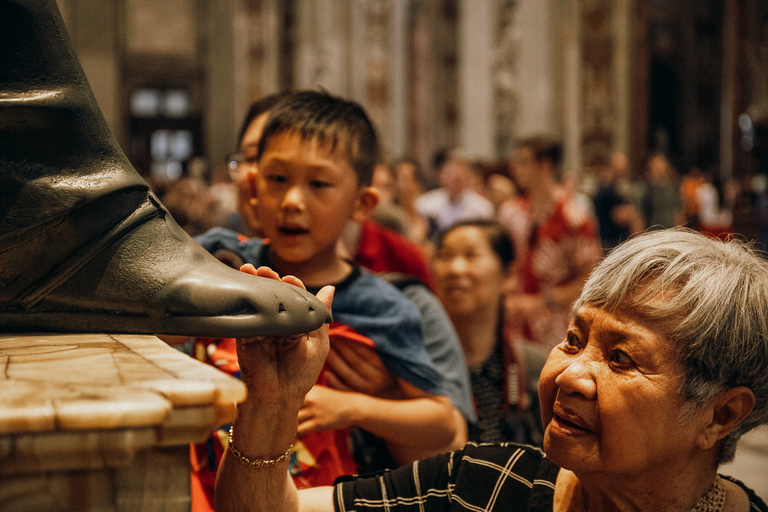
283 369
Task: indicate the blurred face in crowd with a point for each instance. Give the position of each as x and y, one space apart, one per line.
619 165
246 176
455 177
524 167
408 185
469 275
499 188
383 181
658 168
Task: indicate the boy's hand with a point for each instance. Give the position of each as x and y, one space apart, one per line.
283 369
352 366
325 409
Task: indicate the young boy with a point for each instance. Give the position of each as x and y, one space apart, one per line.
311 173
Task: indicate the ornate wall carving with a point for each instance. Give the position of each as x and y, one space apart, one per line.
598 119
378 66
505 78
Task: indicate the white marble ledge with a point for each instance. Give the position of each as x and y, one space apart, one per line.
98 381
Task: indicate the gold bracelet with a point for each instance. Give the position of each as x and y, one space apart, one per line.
258 463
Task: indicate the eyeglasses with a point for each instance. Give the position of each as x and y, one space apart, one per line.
239 162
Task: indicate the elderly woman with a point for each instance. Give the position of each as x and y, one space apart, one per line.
664 367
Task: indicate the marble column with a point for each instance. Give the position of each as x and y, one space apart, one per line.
220 130
571 107
93 28
434 107
477 31
376 64
622 84
597 95
598 116
506 79
400 75
728 105
538 69
258 57
321 39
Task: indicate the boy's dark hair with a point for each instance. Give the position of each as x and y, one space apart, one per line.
544 147
332 121
257 108
498 238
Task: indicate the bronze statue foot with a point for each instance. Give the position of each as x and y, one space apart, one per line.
84 245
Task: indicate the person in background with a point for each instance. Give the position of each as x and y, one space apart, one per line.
388 213
401 262
498 187
471 265
716 200
658 196
455 199
642 402
409 180
239 162
689 188
556 244
616 214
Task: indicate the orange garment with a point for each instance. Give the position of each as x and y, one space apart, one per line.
689 188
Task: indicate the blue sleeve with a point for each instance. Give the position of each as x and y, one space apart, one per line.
379 311
444 348
231 247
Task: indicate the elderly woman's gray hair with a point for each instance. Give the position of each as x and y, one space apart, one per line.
709 298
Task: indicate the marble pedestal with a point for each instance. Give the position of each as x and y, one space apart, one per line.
102 422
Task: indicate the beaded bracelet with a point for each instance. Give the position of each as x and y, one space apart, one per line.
258 463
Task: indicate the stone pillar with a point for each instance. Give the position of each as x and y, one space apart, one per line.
622 69
506 79
399 77
321 39
93 28
596 85
257 55
598 115
571 91
477 31
221 123
434 105
728 96
538 67
377 68
422 105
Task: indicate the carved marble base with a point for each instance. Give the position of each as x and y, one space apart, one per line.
101 423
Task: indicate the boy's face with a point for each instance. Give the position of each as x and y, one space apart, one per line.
306 195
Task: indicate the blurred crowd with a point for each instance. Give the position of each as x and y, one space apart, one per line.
418 202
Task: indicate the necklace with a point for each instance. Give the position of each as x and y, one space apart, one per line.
712 501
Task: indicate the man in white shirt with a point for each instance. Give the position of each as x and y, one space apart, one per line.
454 200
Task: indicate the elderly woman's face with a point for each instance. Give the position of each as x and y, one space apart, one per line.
609 397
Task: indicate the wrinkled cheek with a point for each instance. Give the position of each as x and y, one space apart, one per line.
547 393
555 365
